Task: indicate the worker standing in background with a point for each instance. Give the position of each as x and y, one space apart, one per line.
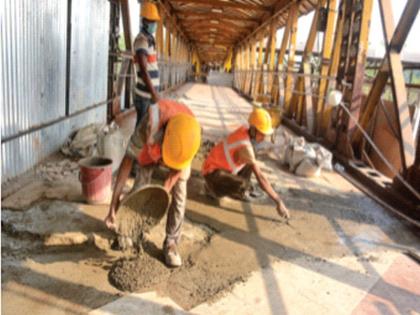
169 135
146 65
228 167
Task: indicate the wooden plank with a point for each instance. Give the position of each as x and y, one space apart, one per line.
273 40
301 101
125 11
118 87
223 24
226 4
325 66
188 14
159 38
294 12
280 59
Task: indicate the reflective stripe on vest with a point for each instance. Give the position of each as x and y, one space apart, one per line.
227 147
154 122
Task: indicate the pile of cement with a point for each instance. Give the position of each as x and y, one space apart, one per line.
141 211
135 274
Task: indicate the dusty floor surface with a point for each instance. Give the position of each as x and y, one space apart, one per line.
57 256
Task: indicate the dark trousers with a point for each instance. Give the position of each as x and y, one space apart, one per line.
223 183
142 105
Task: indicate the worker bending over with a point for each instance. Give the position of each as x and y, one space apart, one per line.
228 168
169 135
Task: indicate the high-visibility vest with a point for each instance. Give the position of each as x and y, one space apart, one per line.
159 115
222 156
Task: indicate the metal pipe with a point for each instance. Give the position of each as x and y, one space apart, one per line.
52 122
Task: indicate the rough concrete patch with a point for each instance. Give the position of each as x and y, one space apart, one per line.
26 196
49 218
65 190
212 271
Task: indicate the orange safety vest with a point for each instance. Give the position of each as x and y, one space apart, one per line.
159 115
222 156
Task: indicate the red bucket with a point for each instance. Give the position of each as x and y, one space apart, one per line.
96 177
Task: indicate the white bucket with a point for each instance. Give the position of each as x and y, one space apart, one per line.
112 146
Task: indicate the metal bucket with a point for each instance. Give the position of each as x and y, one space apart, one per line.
141 210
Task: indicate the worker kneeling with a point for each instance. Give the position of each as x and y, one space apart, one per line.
230 164
168 135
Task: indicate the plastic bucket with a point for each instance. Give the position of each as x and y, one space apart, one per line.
96 177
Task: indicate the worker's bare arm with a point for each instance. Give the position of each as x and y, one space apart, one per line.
142 57
122 176
266 186
171 180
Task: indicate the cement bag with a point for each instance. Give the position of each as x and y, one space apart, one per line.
83 142
323 157
295 153
308 168
112 145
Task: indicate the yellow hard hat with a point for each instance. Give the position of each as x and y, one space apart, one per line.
181 141
261 120
149 11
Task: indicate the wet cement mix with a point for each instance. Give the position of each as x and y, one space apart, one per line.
138 273
140 211
222 243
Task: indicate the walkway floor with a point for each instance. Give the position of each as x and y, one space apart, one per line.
341 253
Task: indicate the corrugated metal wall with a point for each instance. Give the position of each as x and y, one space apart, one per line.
33 55
89 53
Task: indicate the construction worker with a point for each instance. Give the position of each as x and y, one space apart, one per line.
145 60
169 135
228 167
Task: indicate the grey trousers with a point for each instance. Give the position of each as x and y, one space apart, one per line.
223 183
176 212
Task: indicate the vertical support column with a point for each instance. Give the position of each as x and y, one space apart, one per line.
125 10
321 124
291 59
280 58
168 57
159 38
258 76
271 65
302 100
252 66
351 66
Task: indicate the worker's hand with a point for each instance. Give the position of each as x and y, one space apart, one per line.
110 218
282 209
110 221
155 98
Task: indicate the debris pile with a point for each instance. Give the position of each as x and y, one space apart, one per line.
83 142
57 171
97 140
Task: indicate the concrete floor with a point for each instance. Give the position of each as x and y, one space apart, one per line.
340 254
340 264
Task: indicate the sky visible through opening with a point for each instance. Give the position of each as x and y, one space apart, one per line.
411 50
